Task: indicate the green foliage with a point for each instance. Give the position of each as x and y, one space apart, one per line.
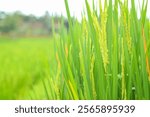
106 55
8 24
17 24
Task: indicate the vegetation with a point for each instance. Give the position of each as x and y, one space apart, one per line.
23 63
19 25
105 56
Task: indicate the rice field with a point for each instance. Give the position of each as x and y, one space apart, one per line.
106 56
23 63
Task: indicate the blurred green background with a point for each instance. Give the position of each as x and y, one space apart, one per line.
26 52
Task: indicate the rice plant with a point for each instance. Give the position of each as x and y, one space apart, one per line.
105 56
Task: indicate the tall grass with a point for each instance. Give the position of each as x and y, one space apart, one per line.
105 56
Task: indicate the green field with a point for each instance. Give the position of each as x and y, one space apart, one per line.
23 63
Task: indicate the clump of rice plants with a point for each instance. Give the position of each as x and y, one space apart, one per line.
105 56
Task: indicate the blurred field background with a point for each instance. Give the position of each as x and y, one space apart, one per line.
26 52
23 62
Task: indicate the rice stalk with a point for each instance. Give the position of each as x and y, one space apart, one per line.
123 72
126 24
101 35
